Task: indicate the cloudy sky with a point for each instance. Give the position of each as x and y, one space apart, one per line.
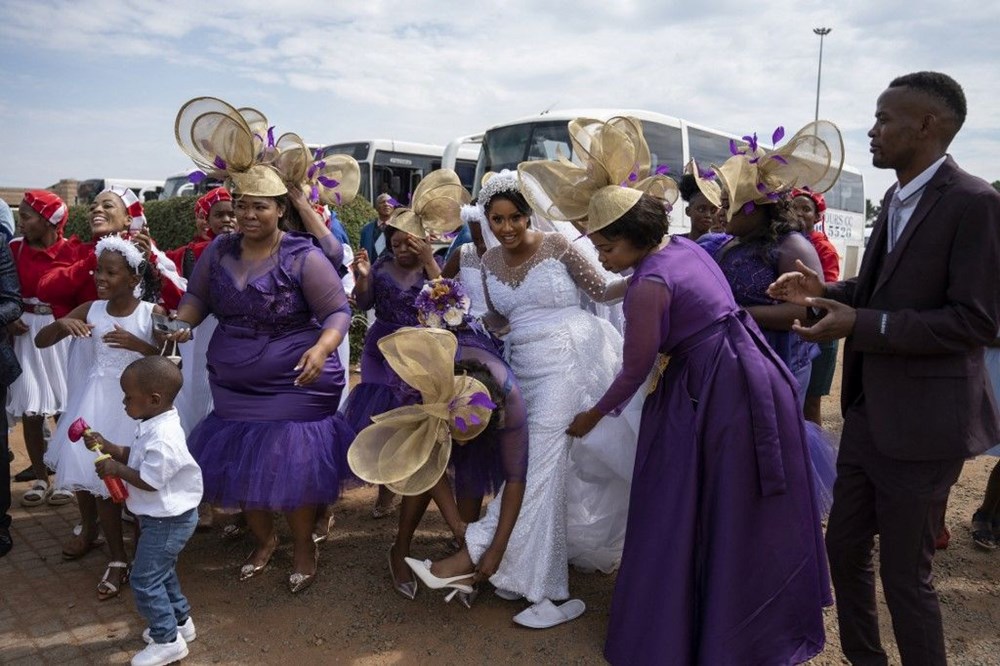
91 87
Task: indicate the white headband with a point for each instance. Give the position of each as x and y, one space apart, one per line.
118 244
472 213
505 181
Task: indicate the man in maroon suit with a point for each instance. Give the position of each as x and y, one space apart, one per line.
915 395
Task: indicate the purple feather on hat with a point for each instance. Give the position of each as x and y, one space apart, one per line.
779 134
662 170
480 399
328 182
197 176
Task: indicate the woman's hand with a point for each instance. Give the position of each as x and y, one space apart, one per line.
423 249
311 364
122 339
583 423
489 563
361 266
797 286
76 328
17 327
142 241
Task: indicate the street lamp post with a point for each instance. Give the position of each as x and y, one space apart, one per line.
822 32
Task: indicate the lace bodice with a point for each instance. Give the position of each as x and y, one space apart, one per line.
290 290
471 277
110 361
551 278
394 291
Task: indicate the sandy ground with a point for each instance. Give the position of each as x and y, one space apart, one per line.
352 616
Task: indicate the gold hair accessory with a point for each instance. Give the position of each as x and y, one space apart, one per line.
407 449
614 171
436 208
812 159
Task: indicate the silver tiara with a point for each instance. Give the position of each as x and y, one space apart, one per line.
505 181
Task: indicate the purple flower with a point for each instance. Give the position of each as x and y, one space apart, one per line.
779 134
480 399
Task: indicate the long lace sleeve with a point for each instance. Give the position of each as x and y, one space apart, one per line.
645 305
324 292
198 287
587 276
333 249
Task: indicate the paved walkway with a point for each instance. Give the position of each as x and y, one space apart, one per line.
49 612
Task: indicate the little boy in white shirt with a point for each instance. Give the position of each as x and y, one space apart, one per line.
164 489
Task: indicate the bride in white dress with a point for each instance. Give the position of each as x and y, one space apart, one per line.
576 492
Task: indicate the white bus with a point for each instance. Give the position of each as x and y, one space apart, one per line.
396 167
673 142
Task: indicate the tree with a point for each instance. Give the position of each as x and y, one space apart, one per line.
872 211
996 185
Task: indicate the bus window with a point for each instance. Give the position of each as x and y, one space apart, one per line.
708 147
847 193
549 141
466 170
665 147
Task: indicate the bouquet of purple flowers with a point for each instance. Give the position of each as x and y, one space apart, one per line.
443 303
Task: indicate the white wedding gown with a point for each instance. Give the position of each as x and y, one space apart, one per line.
564 358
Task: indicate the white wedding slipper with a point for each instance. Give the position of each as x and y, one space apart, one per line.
546 614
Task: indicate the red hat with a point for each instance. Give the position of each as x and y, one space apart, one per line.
48 205
815 196
204 205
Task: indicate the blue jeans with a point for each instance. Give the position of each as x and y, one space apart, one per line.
155 587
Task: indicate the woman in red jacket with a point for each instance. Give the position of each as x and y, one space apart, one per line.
114 211
40 391
213 215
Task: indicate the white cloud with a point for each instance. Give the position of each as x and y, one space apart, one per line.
428 71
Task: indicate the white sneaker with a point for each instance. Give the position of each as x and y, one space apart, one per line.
161 654
185 630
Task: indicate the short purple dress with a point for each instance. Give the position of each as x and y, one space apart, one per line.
724 560
269 444
393 299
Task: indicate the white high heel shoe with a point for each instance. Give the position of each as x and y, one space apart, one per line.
423 571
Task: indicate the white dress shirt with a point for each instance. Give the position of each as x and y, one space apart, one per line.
905 199
161 456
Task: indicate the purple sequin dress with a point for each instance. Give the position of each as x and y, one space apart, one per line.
269 444
724 560
392 293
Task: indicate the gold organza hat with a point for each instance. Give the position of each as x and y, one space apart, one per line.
614 171
238 145
230 144
436 206
812 159
407 449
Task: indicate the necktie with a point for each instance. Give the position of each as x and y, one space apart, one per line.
895 220
379 244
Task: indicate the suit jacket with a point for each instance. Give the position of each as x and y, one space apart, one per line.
369 234
924 314
10 310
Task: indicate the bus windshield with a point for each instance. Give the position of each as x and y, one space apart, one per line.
506 147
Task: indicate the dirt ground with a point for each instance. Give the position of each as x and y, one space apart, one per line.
351 615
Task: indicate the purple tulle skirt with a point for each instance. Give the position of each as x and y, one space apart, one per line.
275 465
823 463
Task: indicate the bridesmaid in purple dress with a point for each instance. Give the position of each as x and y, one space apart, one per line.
723 559
274 441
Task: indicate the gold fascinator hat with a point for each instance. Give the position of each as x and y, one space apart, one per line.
332 181
407 449
614 170
436 206
231 144
753 176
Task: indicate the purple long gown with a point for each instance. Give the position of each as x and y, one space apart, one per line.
269 444
724 559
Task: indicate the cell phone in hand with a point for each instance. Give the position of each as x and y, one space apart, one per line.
165 324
